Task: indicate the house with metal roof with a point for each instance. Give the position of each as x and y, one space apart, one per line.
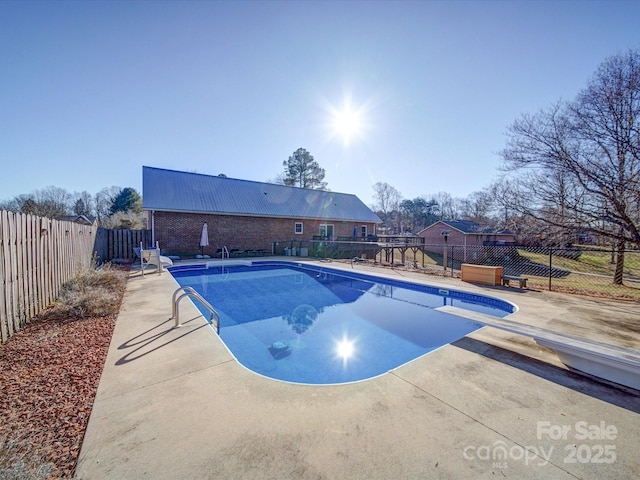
465 233
471 236
81 219
243 215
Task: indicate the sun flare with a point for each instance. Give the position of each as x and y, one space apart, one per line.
344 349
347 123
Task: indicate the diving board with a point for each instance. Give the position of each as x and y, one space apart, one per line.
616 364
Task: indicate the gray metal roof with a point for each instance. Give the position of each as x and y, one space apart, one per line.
175 191
468 226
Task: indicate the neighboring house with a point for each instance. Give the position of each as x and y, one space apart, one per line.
465 232
81 219
244 215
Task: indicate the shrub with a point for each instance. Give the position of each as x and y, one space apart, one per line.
16 464
92 293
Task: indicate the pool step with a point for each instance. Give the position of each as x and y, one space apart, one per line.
229 262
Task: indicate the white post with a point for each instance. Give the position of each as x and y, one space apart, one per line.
158 255
141 259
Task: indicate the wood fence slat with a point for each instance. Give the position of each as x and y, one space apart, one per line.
20 273
54 269
13 270
33 265
29 265
43 235
4 299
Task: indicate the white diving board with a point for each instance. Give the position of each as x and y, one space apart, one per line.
616 364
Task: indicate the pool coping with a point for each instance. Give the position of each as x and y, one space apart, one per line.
172 403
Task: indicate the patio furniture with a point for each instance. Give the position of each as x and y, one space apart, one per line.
151 256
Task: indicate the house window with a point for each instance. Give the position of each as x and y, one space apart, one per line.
363 231
298 228
326 230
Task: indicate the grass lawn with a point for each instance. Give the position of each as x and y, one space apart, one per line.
592 262
590 274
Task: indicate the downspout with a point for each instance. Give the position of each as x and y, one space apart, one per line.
153 227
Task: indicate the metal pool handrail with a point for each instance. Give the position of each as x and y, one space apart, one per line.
190 292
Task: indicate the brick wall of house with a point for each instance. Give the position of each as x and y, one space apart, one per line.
179 233
433 235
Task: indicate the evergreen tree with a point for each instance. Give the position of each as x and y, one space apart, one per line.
127 200
301 170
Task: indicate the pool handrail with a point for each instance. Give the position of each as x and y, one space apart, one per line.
190 292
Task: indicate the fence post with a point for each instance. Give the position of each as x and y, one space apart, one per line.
550 265
452 261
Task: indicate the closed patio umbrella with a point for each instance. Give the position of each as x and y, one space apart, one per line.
204 237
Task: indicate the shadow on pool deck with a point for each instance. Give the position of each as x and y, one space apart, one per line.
150 341
574 380
174 404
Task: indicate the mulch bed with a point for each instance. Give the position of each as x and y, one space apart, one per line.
49 375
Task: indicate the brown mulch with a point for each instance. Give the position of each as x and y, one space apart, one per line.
49 375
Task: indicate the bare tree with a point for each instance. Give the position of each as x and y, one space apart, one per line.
14 204
477 206
579 162
387 201
448 207
83 204
51 202
128 220
104 201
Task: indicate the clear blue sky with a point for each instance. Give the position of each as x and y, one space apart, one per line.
91 91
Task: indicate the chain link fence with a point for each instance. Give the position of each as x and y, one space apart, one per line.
582 271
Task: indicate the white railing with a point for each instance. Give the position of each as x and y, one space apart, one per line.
190 292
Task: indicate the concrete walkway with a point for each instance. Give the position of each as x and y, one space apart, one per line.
174 404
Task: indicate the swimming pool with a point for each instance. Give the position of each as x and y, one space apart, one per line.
309 324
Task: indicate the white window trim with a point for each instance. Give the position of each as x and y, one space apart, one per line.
295 228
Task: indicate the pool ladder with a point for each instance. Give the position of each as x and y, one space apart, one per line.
190 292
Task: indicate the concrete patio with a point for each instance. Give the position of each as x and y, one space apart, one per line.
174 403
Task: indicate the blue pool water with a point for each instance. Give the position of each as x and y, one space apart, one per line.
307 324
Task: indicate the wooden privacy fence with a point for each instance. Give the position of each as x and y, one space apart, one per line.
37 255
111 244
